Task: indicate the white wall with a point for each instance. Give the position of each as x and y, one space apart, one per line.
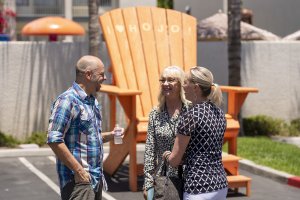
280 17
32 74
129 3
199 8
213 55
274 68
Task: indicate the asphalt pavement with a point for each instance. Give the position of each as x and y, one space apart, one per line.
30 174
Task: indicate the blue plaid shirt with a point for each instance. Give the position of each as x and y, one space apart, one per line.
76 120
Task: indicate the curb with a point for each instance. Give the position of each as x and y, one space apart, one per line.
268 172
10 153
294 181
244 164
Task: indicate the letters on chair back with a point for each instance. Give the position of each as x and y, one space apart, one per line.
141 41
147 27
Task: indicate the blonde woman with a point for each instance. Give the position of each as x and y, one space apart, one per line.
163 121
200 136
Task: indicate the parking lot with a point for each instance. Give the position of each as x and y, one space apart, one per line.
34 178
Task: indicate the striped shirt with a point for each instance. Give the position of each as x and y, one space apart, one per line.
76 120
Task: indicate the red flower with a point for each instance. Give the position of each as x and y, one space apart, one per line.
9 12
5 14
3 24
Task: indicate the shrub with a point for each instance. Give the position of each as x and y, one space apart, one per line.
264 125
296 123
38 138
8 140
294 129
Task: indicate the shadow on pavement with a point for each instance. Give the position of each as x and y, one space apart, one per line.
231 193
119 181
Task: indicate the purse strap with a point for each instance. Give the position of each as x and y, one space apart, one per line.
164 165
165 169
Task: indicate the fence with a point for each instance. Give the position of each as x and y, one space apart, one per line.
32 74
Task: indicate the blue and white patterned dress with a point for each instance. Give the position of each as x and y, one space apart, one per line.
206 124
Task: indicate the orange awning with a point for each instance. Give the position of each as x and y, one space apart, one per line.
53 26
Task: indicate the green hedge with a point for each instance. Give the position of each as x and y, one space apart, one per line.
262 125
294 128
8 140
38 138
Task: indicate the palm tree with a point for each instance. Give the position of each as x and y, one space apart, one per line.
234 47
93 28
234 42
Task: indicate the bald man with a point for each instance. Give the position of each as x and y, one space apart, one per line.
74 133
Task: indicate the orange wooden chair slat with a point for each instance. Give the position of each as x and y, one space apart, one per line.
141 41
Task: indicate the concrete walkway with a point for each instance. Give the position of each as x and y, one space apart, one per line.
289 140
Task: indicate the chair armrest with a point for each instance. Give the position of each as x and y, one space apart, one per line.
114 90
237 89
228 116
236 98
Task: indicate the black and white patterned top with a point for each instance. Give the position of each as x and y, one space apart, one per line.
204 171
160 138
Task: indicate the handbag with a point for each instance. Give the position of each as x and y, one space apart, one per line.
168 188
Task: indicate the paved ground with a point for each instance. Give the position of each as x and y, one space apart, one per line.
34 178
290 140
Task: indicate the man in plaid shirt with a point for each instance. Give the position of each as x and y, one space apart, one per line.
74 133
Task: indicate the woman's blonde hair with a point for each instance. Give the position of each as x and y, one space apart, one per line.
204 78
177 73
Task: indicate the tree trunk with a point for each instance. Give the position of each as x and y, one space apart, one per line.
93 28
234 47
234 42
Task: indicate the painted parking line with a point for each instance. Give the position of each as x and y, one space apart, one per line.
42 176
104 194
52 158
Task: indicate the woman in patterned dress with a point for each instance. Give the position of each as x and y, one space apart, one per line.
200 135
163 121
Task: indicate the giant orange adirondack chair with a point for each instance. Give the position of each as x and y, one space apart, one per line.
141 41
